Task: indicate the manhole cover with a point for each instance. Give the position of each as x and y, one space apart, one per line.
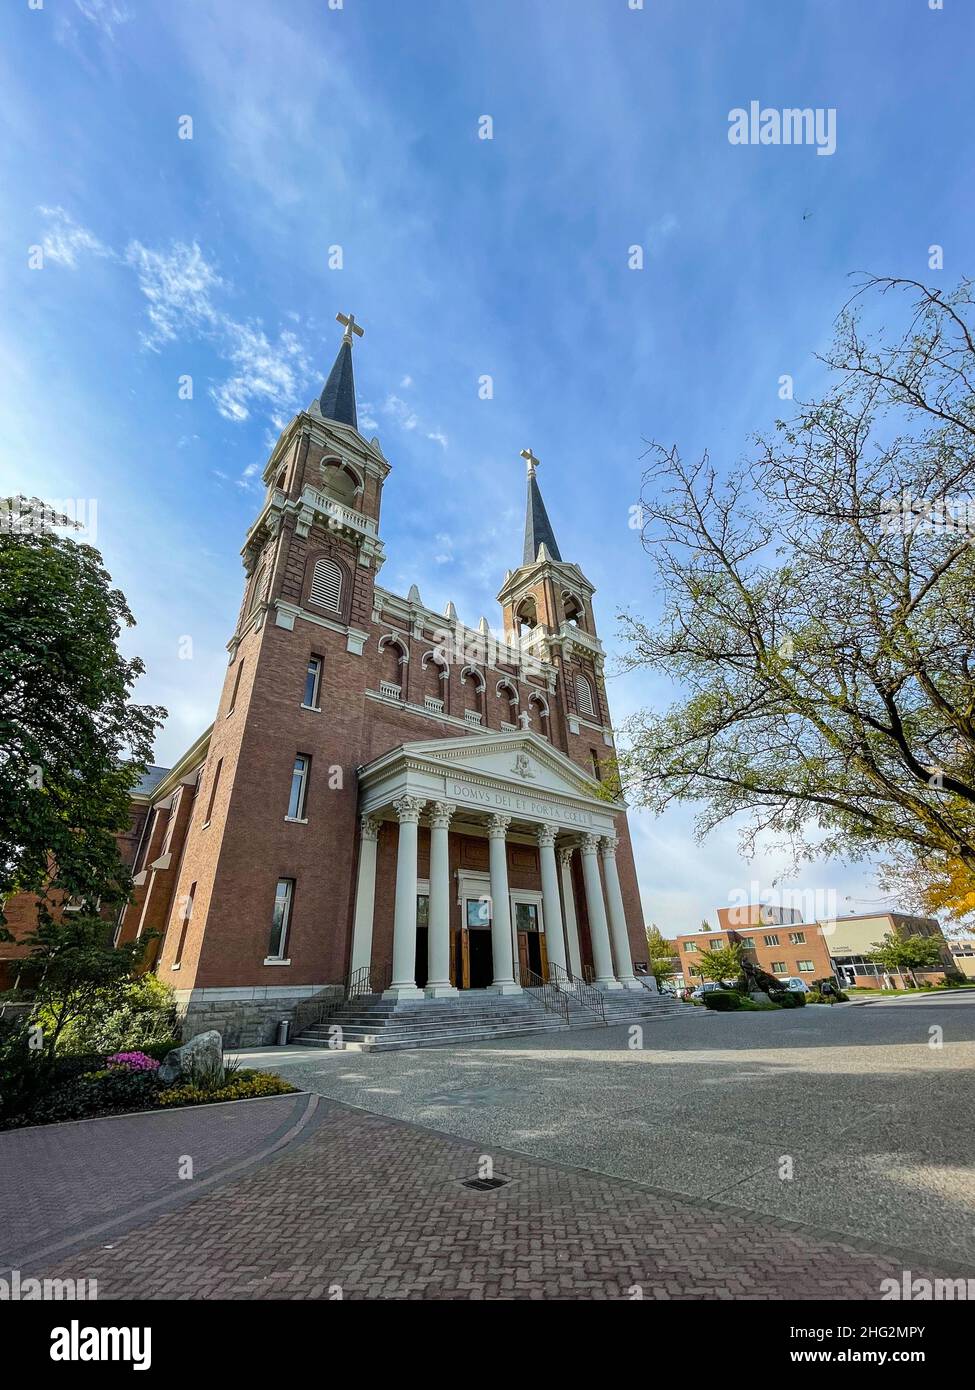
485 1184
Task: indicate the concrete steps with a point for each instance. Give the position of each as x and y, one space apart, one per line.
370 1023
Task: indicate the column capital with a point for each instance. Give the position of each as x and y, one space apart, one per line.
545 835
608 846
498 826
370 827
408 809
565 855
440 814
589 844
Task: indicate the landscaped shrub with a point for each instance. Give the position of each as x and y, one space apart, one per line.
246 1085
107 1092
24 1070
144 1014
722 1000
788 999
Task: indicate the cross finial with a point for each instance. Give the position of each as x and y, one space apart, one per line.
350 327
531 461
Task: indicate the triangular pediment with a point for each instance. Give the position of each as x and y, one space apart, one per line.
522 760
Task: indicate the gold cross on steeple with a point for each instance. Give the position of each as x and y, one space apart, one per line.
531 461
350 327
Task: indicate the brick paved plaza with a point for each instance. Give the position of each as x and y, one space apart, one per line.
303 1197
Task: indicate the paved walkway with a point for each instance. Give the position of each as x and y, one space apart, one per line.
876 1122
60 1181
362 1206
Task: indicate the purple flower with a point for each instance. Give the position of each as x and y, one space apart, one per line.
132 1061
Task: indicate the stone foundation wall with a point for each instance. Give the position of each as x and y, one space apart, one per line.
250 1018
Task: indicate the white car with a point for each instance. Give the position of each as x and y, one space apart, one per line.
707 988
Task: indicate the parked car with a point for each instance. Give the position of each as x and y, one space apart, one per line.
793 983
706 988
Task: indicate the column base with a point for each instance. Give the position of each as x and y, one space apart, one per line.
403 992
630 982
446 991
506 987
607 984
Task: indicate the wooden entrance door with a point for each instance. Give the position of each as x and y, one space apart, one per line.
523 965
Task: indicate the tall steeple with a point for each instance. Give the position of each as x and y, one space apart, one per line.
337 401
538 528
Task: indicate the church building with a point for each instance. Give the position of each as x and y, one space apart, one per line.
388 801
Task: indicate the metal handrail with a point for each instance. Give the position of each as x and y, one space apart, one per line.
368 979
588 996
551 996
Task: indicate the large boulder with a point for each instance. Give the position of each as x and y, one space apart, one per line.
201 1057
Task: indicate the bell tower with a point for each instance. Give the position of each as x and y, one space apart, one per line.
547 607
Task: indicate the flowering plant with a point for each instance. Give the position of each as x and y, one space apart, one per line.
132 1061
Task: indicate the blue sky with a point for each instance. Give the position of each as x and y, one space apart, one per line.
358 127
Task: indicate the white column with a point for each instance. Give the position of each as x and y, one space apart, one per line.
617 915
438 926
551 906
598 931
501 951
365 895
403 984
569 908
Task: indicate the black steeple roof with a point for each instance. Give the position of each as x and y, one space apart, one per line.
538 528
337 401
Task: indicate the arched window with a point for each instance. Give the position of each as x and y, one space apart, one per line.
574 611
539 703
526 614
326 585
257 591
341 481
584 698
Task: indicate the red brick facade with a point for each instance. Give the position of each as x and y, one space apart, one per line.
392 672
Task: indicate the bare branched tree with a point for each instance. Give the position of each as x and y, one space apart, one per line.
819 606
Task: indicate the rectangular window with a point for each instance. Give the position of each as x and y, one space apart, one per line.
233 697
478 912
299 787
171 825
747 943
806 967
282 916
186 925
596 769
313 681
779 967
690 946
771 940
716 945
213 791
422 910
797 938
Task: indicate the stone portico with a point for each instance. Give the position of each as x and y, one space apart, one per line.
505 785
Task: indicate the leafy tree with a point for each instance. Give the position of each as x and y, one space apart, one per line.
721 964
661 954
902 955
74 969
819 605
71 745
940 884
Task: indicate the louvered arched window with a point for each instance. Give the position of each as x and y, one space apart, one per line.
326 585
584 697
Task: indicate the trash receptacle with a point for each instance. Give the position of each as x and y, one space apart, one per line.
283 1029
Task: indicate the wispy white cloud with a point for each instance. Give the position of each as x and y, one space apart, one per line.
182 290
105 15
64 241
